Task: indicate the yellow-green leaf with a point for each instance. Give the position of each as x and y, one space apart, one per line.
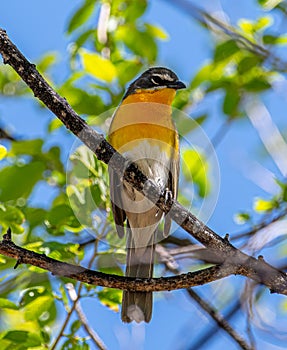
3 152
261 205
98 66
157 32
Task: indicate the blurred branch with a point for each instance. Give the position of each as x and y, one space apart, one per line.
206 19
263 224
269 133
222 323
219 319
5 135
235 261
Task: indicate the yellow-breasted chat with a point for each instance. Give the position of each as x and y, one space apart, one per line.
143 131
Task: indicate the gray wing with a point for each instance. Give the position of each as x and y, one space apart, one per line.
116 198
172 186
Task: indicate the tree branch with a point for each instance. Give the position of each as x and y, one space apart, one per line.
58 268
205 18
237 261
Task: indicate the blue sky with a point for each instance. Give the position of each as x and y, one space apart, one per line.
37 27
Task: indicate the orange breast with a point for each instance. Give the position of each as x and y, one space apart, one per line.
144 115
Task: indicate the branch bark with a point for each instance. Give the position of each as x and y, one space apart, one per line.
81 274
239 262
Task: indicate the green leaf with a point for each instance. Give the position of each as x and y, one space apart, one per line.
247 63
110 298
257 85
82 101
75 326
242 218
54 124
127 70
139 42
29 147
186 125
62 217
225 50
81 15
18 181
11 217
156 31
98 66
24 338
35 216
231 102
201 76
7 304
132 10
273 39
46 61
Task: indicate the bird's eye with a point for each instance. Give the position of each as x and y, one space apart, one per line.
156 80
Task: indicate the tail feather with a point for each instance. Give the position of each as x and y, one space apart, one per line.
137 306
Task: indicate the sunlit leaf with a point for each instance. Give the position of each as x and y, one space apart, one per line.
3 152
36 308
157 32
98 66
195 168
262 205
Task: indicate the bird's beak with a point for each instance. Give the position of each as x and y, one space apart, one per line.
177 85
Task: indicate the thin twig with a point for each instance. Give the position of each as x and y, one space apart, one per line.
220 320
75 298
207 336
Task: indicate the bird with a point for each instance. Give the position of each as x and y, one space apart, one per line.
143 131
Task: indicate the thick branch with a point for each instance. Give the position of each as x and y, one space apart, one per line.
243 264
191 279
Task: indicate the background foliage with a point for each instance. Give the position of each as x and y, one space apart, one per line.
109 44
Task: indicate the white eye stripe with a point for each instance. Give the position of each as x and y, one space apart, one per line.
164 77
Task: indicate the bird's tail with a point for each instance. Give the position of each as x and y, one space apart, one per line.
137 306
